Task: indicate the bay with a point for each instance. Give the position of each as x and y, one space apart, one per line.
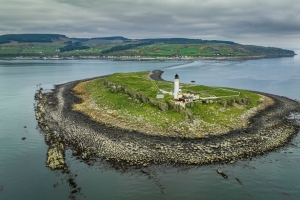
23 174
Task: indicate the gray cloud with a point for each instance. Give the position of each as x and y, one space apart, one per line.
270 23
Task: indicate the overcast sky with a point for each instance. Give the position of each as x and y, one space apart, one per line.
261 22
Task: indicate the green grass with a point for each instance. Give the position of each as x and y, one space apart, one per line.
157 49
127 107
137 82
10 49
193 50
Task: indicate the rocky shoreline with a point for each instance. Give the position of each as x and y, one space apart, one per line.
63 127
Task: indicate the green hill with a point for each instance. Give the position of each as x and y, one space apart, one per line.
60 46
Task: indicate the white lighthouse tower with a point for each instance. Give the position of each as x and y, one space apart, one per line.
176 86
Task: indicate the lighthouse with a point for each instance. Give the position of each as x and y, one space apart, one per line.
176 86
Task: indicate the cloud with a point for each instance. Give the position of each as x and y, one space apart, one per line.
274 21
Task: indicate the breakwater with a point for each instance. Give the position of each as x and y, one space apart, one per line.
267 130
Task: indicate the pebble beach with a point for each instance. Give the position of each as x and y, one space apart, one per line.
65 128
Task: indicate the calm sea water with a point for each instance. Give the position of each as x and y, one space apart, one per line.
23 174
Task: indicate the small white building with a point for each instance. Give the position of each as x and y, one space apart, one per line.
188 100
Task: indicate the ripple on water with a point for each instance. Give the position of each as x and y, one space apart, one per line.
22 163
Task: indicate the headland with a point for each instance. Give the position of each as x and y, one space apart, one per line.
61 47
268 127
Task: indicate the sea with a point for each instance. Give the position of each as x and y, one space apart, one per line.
24 174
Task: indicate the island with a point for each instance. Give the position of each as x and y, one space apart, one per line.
138 119
56 46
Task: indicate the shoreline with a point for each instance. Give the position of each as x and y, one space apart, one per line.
118 58
195 126
268 130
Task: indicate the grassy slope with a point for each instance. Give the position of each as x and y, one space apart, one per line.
156 49
127 109
200 50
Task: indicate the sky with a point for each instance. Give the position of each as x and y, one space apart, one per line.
274 23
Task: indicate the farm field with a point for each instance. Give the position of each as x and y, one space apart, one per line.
47 45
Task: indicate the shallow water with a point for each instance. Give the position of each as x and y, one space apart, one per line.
23 174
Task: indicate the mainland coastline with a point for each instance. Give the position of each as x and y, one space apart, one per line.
268 129
137 58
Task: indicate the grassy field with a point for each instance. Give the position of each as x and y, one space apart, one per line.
123 107
10 49
202 90
152 49
50 49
